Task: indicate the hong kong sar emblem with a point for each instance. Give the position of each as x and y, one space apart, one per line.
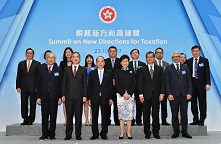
108 14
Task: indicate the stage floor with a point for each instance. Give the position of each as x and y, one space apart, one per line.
211 138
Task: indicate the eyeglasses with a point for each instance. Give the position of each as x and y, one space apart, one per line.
175 56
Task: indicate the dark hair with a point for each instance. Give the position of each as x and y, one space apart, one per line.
64 56
150 52
29 49
89 55
124 57
196 46
112 47
134 50
183 54
158 48
46 52
76 53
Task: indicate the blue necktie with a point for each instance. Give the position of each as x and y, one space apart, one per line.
112 62
195 69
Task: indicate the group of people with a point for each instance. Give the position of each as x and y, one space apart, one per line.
125 84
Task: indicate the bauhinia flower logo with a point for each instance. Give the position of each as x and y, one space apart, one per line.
108 14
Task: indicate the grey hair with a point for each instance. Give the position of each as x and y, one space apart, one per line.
50 53
176 52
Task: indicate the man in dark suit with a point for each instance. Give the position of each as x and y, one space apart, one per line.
49 94
160 62
113 63
100 86
200 73
26 81
74 92
151 88
179 91
135 65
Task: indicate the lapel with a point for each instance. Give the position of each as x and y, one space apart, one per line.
104 77
200 61
71 71
25 66
174 69
52 72
78 71
147 72
45 70
96 76
191 64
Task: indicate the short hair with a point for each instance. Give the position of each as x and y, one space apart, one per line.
47 51
89 55
124 57
50 53
30 49
101 57
196 46
76 53
112 47
183 54
176 52
157 49
150 52
134 50
64 56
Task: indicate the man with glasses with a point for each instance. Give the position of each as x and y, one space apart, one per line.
160 62
179 91
26 85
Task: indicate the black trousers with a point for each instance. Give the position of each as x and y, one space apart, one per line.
139 108
49 108
147 105
179 102
115 110
104 118
164 109
198 96
25 95
74 108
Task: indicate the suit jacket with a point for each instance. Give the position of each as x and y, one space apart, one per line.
49 85
108 65
74 87
177 83
27 80
95 88
125 80
63 64
165 64
203 70
131 67
151 88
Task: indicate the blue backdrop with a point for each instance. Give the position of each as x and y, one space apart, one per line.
144 24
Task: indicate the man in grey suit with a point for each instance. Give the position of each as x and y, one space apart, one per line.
160 62
179 91
74 93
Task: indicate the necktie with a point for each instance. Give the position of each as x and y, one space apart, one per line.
135 66
177 68
160 63
49 70
100 76
75 70
29 64
195 69
112 62
151 72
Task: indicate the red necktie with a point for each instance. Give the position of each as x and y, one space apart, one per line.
75 71
29 64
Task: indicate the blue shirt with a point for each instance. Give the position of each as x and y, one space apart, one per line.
89 70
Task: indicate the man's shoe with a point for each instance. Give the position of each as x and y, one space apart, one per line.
175 135
43 137
201 124
194 123
165 123
186 135
78 138
24 123
52 137
104 137
93 137
68 138
139 124
147 136
30 123
157 136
